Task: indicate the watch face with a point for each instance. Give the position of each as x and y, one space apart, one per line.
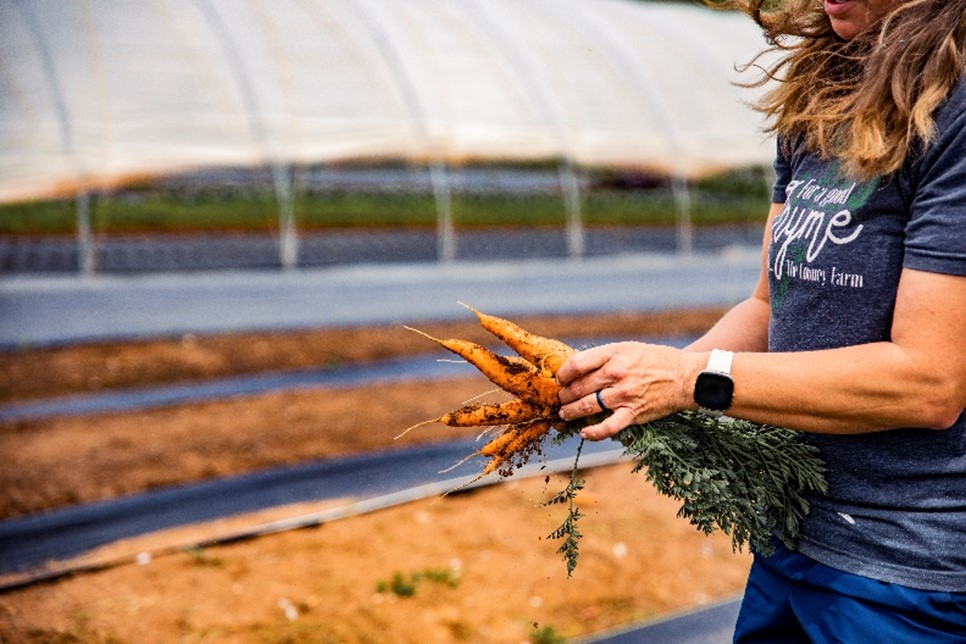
714 390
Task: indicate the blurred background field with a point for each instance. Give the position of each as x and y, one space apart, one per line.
366 197
203 189
229 220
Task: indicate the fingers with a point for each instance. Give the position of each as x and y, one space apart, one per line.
587 405
584 373
587 381
635 382
585 362
621 418
600 400
619 415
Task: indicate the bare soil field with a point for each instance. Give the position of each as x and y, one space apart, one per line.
473 567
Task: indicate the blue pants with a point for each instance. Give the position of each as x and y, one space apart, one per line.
792 598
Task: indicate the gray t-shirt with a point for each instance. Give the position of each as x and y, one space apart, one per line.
896 507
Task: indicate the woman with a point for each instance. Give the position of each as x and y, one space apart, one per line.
856 331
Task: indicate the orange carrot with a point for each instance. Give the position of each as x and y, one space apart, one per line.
508 412
520 442
546 353
499 444
517 377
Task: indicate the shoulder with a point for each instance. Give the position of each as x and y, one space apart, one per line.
947 148
951 114
791 150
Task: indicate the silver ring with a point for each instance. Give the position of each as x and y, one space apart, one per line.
600 401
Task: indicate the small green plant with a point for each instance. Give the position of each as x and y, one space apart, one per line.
545 635
444 576
403 585
201 558
403 588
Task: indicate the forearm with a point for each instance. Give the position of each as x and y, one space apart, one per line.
857 389
917 378
743 328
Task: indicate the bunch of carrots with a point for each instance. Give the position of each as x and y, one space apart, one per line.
750 480
527 418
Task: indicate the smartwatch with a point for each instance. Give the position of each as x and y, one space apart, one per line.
714 389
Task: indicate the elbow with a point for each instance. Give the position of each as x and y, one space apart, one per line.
944 419
940 406
942 422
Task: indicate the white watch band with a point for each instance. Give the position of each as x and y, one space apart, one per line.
720 361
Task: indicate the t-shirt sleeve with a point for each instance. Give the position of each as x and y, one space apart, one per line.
783 175
936 232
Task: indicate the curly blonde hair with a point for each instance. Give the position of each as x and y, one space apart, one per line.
867 101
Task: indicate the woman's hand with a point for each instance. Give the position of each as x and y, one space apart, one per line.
637 382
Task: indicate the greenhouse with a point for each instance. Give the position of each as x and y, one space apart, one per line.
97 94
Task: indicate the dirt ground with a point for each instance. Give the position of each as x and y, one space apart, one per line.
54 462
473 567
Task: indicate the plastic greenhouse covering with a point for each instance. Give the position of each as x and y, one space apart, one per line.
94 93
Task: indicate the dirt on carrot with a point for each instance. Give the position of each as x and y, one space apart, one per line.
518 376
508 412
545 353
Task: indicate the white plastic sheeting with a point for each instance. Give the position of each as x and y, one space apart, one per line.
95 92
